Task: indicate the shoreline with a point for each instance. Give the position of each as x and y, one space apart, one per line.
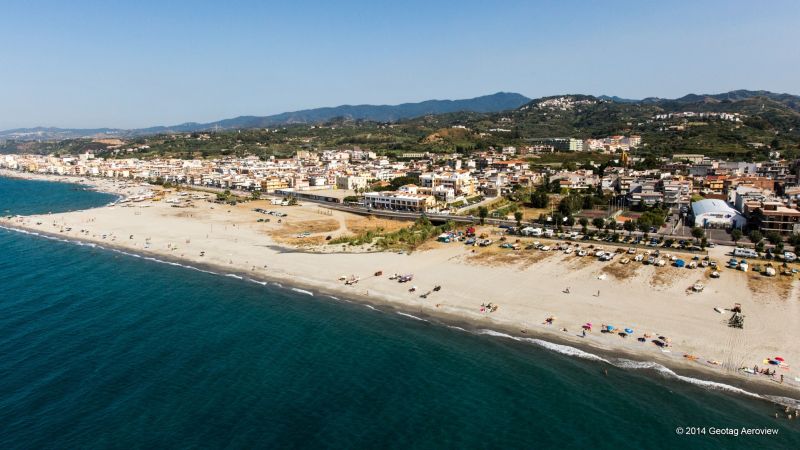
472 323
619 358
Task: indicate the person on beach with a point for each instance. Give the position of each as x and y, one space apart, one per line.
583 333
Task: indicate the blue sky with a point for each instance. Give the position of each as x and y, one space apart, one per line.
142 63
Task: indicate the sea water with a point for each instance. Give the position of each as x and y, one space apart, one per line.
100 349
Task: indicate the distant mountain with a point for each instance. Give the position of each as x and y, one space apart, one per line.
52 133
614 98
500 101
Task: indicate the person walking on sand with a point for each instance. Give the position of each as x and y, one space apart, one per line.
598 293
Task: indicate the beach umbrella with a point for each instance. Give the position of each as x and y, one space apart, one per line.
610 327
778 358
629 330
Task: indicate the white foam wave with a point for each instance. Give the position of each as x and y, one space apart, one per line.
233 275
667 373
371 307
558 348
303 291
263 283
412 316
783 401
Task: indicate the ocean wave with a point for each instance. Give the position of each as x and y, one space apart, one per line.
263 283
668 373
233 275
302 291
371 307
412 316
558 348
628 364
783 401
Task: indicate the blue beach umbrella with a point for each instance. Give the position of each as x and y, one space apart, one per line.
629 330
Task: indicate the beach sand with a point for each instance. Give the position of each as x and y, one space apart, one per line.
527 285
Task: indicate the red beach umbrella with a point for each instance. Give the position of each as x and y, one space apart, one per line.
778 358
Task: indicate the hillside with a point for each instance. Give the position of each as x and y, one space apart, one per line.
500 101
744 125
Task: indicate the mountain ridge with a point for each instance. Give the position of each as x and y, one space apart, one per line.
499 101
779 109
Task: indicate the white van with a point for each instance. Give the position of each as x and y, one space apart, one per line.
530 231
789 257
745 252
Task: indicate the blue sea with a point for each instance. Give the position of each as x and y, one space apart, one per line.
100 349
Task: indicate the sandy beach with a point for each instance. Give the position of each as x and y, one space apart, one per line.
526 286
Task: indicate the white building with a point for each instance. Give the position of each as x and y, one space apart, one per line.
713 213
398 201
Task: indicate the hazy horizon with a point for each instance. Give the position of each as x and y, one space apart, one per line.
92 65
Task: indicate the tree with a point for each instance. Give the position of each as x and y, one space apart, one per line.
292 201
698 233
598 222
755 236
518 218
584 223
558 220
483 213
774 237
629 226
611 224
539 199
255 195
736 234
